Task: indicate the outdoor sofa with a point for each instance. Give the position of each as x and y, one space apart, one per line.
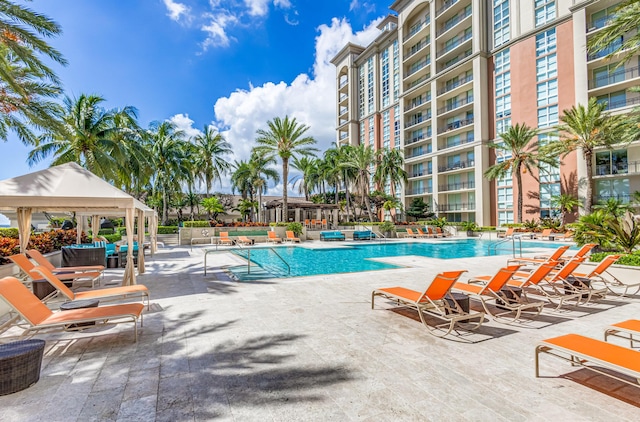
333 235
364 235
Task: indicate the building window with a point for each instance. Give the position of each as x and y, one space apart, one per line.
386 129
361 133
547 116
545 42
547 67
396 72
611 162
386 89
500 22
612 188
547 92
371 133
396 126
505 198
545 11
370 84
613 99
361 92
503 83
505 217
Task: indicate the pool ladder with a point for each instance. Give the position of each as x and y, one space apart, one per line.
493 247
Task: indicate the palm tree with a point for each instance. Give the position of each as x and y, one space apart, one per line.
309 178
241 179
210 151
566 203
285 139
193 202
168 154
330 171
88 137
390 168
260 174
128 151
587 128
516 141
361 160
622 23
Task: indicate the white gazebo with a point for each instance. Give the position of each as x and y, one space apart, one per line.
69 187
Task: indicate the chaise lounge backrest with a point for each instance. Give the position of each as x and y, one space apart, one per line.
23 301
441 285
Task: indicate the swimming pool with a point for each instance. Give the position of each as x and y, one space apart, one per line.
355 258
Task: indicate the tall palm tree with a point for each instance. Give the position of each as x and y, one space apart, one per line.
390 168
210 156
566 203
168 152
516 141
128 151
241 179
285 139
309 178
361 159
330 171
623 23
87 138
261 173
587 128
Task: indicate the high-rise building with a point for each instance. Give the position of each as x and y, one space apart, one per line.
445 78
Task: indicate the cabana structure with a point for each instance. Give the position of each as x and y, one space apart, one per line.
300 210
69 187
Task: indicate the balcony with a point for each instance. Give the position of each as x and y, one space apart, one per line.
420 191
415 139
455 104
449 86
461 141
343 83
417 102
624 197
456 207
455 60
344 136
617 76
624 102
422 173
455 125
453 21
343 97
343 111
418 120
417 27
457 186
417 48
599 23
456 166
446 6
419 153
416 67
600 54
616 169
457 41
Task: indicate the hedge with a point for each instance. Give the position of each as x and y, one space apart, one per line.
10 232
113 238
44 242
197 223
632 259
167 230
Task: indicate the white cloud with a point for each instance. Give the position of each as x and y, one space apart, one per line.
354 5
310 99
176 10
257 7
216 30
366 6
184 123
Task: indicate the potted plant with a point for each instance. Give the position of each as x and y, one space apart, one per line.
387 228
470 227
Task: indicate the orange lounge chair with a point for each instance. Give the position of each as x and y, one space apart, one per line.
324 224
41 260
291 237
625 329
410 233
610 281
272 237
496 289
38 317
27 266
564 237
592 354
306 223
434 301
112 293
582 252
540 259
441 232
506 234
432 233
423 234
545 233
244 240
225 239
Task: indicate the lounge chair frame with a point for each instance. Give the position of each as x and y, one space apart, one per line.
624 330
437 306
560 347
26 266
23 303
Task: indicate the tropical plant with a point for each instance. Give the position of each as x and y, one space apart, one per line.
360 160
620 35
530 224
210 151
566 204
193 202
213 207
390 204
26 82
550 223
625 232
588 229
295 227
587 128
390 169
246 208
613 206
387 227
418 209
523 156
309 178
285 139
438 222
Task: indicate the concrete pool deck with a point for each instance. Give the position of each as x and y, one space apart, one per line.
311 348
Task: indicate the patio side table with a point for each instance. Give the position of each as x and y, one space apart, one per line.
20 363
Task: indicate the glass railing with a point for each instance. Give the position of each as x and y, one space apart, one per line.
617 75
455 125
453 21
455 143
457 165
457 207
457 186
599 23
453 85
456 42
446 5
456 104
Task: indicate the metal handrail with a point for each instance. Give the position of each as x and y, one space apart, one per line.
494 246
376 235
282 259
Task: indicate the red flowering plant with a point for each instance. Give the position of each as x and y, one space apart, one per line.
44 242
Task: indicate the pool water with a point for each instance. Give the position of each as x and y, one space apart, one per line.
346 259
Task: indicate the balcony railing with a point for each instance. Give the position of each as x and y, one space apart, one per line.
599 23
344 136
457 186
618 75
613 47
453 21
417 120
421 173
416 102
612 169
418 66
420 191
455 60
343 110
417 47
611 105
342 97
455 125
456 143
417 27
343 83
624 197
446 5
418 138
457 207
458 40
456 104
453 85
457 166
420 153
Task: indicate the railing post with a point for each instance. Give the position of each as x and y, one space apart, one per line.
248 261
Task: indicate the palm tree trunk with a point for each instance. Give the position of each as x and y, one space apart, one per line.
588 155
260 205
285 181
165 205
519 184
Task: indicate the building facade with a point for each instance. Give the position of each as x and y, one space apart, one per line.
445 78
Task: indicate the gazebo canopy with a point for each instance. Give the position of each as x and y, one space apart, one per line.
69 187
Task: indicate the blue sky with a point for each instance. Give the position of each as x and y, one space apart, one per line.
235 63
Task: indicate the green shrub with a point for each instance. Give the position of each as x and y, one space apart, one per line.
387 226
113 238
10 232
631 259
295 227
103 232
197 223
167 230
